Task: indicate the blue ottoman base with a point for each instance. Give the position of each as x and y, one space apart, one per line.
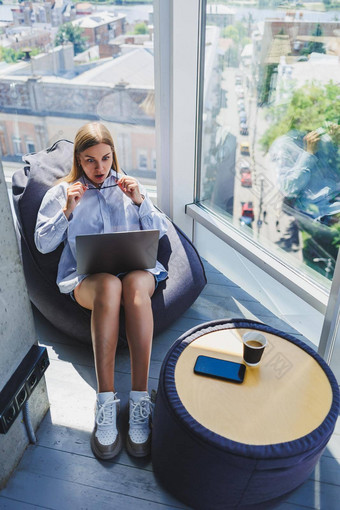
207 471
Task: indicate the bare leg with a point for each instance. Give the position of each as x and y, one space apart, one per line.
102 294
138 287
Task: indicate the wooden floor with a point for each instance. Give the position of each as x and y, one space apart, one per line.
60 471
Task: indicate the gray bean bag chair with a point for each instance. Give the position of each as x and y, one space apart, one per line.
177 254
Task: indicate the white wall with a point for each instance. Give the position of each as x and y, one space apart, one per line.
175 85
17 335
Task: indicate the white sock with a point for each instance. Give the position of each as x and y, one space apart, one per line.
137 395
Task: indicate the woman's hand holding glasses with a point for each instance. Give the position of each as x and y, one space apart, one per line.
127 184
130 188
74 194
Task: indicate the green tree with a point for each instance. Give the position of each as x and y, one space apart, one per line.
310 106
242 29
266 84
238 33
141 28
315 46
232 57
231 32
10 55
73 34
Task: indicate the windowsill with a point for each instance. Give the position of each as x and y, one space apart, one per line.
300 285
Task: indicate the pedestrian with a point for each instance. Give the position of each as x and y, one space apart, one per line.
308 174
96 197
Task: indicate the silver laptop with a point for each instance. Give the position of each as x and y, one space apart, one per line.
117 252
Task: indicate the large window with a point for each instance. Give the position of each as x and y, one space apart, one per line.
269 148
63 68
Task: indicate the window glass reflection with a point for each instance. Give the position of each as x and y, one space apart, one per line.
271 127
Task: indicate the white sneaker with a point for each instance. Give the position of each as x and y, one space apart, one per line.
106 440
138 441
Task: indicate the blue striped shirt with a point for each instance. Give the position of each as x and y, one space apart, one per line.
99 211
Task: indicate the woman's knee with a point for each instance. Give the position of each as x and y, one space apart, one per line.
138 283
108 288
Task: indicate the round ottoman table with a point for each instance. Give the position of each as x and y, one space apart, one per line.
222 445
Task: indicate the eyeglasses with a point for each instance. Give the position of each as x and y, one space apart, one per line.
90 187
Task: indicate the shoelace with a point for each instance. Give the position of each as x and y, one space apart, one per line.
141 410
105 415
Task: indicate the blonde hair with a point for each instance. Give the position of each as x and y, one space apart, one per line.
87 136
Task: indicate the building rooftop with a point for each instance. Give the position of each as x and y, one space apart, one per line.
135 69
97 19
84 8
310 70
279 46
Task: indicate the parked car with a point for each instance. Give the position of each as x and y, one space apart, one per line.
244 148
246 180
247 215
240 92
244 166
240 105
245 221
243 128
242 116
238 80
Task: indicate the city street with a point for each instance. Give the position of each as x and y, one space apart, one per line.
270 224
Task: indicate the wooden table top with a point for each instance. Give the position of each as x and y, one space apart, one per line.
285 397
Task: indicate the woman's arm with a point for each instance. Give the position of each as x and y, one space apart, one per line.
296 178
52 224
151 218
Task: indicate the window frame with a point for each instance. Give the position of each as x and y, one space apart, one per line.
30 146
142 155
17 144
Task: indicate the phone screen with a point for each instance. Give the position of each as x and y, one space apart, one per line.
220 369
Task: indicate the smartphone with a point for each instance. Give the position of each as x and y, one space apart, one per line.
220 369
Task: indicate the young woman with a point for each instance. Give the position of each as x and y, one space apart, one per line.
94 198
